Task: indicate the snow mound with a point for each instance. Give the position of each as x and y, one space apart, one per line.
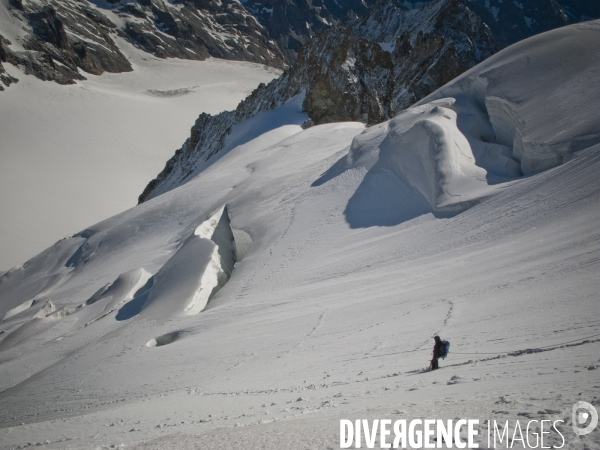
18 288
424 148
505 118
124 288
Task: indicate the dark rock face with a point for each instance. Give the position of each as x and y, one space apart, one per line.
291 23
512 21
197 29
429 46
69 34
346 78
580 10
48 27
64 37
5 77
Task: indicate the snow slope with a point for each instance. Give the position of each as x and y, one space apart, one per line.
73 155
533 111
354 260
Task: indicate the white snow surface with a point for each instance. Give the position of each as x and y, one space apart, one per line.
424 148
359 254
73 155
529 91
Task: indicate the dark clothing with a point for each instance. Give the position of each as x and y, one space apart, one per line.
437 348
437 352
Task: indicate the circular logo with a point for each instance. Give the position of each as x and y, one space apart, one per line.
582 411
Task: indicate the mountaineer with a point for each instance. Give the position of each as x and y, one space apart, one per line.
440 350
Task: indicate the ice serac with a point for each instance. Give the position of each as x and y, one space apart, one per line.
46 310
496 122
424 148
530 87
196 272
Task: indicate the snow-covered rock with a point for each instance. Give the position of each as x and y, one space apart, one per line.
54 39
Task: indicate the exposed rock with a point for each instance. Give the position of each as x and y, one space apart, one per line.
197 29
292 23
73 34
436 44
5 77
37 63
512 21
580 10
64 37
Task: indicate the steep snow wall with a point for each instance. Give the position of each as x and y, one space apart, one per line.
426 148
196 272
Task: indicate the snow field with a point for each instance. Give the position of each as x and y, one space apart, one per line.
73 155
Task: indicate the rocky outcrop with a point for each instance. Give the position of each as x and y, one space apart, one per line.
580 10
197 29
514 21
5 53
207 135
68 35
429 46
76 37
292 23
62 38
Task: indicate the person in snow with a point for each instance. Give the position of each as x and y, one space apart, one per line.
437 352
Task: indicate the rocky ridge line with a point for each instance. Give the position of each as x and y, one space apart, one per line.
345 76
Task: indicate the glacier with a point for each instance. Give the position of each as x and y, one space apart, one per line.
472 215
